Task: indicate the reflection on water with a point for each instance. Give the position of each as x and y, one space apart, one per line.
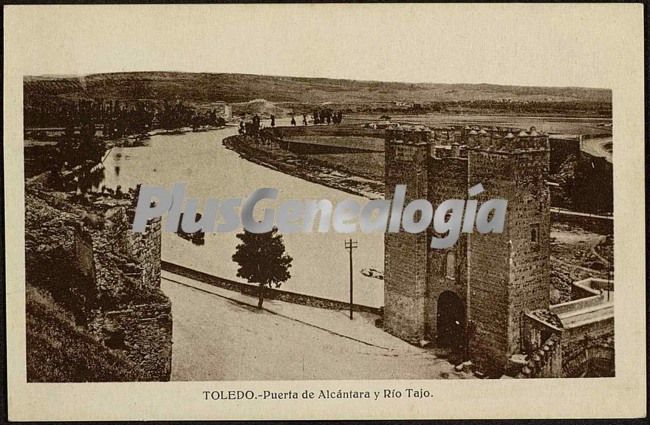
197 238
320 265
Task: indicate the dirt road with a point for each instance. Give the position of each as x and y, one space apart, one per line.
218 339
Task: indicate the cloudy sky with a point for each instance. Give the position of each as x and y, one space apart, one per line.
534 44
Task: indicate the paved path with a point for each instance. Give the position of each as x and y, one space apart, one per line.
597 147
219 338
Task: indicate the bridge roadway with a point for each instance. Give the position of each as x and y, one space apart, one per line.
220 335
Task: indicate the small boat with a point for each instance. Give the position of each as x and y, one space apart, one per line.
374 273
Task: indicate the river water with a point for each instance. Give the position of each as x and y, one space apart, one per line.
321 263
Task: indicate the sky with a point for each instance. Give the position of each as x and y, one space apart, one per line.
525 44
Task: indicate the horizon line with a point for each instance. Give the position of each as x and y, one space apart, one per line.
83 75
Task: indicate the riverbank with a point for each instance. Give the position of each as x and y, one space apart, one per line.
306 169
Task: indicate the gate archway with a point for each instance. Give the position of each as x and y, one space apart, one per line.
600 362
450 320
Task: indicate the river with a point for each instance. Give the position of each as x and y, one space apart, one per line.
320 261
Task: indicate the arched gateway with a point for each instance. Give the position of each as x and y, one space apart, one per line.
450 320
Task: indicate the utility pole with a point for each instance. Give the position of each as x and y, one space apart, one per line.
350 245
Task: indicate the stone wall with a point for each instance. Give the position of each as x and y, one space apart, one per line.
122 270
330 130
582 336
142 332
145 248
601 224
306 148
269 293
545 361
579 342
122 261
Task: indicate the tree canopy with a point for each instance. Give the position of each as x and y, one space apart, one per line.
262 259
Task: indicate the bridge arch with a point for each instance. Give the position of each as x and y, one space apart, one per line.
599 362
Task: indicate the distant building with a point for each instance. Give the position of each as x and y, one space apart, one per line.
223 109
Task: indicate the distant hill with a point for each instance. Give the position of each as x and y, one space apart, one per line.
238 88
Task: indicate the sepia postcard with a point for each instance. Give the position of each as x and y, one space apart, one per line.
324 211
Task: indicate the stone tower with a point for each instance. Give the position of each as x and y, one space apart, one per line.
507 273
447 275
407 151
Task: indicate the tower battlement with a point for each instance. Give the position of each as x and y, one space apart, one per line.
413 135
510 142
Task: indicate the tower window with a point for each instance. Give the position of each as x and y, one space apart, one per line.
534 233
450 271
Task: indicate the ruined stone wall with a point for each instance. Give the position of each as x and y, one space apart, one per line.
124 270
405 261
83 253
123 261
447 180
142 332
127 273
115 275
145 248
583 344
579 341
545 361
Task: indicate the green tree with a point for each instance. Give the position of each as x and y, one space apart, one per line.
262 259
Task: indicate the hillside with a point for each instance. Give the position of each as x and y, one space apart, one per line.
60 351
234 88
